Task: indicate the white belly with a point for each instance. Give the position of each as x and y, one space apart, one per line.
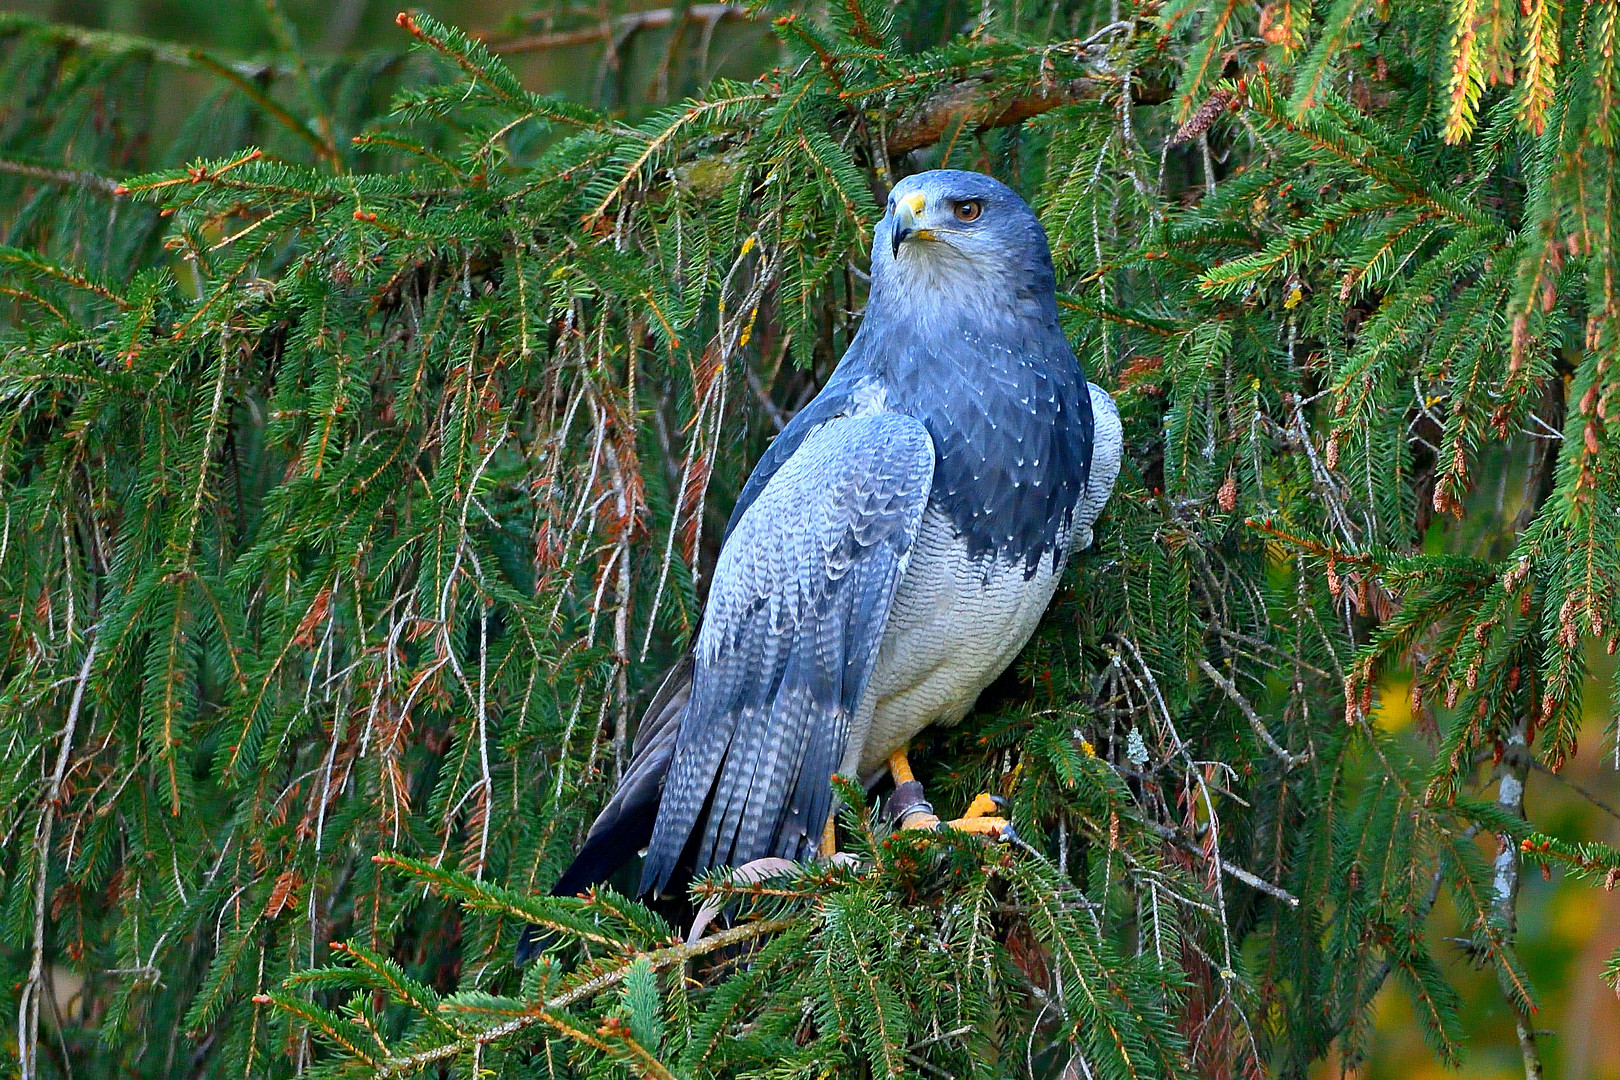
956 624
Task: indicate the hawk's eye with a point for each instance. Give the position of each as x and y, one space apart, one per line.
969 210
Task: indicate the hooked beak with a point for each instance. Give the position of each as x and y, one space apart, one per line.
907 214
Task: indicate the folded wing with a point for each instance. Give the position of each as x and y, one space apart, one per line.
796 611
1107 447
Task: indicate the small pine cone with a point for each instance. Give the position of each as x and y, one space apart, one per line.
1589 399
1200 121
1226 497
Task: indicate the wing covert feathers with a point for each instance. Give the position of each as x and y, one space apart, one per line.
796 612
1107 448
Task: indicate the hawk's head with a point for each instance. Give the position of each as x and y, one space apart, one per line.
951 233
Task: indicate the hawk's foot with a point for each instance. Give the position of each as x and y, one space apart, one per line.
907 806
983 816
910 810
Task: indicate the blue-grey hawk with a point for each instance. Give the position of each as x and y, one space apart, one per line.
889 556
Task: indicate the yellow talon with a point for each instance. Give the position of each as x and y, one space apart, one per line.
997 828
829 836
983 805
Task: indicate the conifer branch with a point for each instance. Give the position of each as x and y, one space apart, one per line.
13 24
547 1012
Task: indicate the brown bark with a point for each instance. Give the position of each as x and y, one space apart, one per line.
973 106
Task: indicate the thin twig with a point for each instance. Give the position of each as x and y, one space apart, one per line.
1254 881
70 177
1576 788
620 29
28 1000
1290 761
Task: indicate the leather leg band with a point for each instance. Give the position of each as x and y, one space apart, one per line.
907 800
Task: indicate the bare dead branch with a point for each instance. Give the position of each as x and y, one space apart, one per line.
67 177
1290 761
28 1004
1253 881
620 29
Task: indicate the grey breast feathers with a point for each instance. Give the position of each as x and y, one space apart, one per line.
796 611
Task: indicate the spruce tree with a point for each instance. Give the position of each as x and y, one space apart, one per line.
363 441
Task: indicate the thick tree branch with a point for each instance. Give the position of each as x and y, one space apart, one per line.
1511 775
973 106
